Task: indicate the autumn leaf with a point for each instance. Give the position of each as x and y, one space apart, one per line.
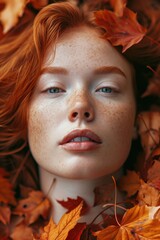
155 155
6 192
124 30
5 214
130 183
32 207
103 194
153 171
148 195
4 231
149 129
153 175
22 231
153 87
71 203
39 3
76 232
135 224
66 223
11 12
118 6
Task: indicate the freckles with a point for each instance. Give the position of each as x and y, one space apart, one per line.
119 118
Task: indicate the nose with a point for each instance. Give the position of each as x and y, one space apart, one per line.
81 108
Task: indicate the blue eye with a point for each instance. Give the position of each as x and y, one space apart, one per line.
55 90
105 90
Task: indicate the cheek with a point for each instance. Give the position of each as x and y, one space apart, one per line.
119 120
120 116
40 122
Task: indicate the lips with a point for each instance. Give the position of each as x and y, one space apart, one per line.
83 134
80 141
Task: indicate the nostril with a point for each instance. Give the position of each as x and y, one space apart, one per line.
74 114
87 114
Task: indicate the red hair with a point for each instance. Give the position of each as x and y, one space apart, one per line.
21 58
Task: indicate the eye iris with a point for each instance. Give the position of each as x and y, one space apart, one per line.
106 90
54 90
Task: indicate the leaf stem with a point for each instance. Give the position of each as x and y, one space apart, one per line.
115 204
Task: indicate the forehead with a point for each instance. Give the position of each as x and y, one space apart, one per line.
84 48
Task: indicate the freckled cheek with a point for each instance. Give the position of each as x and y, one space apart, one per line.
40 122
120 119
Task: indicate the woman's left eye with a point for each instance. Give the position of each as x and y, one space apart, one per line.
55 90
105 90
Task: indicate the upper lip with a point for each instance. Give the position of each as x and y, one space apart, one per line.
81 133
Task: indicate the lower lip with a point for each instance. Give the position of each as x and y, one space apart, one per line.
80 146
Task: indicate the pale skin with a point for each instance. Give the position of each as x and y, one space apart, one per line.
86 85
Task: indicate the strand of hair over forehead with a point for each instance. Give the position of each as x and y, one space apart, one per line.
52 22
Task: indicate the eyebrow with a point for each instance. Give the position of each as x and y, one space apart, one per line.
97 71
54 70
109 69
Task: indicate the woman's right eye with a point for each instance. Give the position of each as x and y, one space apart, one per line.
55 90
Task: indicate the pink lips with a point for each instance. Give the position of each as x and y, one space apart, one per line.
94 142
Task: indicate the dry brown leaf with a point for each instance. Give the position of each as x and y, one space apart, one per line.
34 206
130 183
11 12
135 225
154 171
103 194
148 195
149 130
5 214
153 87
124 30
6 192
156 154
118 6
39 3
22 232
66 223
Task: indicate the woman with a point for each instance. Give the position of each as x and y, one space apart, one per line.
74 105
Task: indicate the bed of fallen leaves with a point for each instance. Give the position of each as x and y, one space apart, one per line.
26 215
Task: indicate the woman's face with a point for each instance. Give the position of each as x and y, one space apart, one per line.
82 113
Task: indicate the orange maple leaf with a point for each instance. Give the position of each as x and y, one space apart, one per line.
32 207
119 6
6 192
130 183
66 223
124 30
11 12
148 195
135 225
